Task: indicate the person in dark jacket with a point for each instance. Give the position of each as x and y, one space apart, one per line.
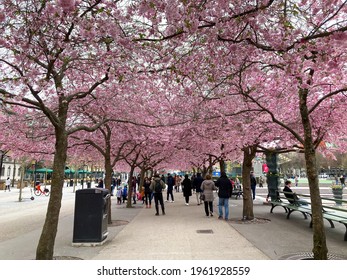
291 196
101 183
197 186
158 195
187 188
224 193
170 187
148 192
253 184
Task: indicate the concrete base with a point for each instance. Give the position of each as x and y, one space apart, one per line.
88 244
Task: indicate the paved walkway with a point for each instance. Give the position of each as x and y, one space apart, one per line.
176 236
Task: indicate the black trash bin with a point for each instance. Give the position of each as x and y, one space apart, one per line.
90 220
89 185
71 183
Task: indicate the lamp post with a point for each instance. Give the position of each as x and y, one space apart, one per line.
272 175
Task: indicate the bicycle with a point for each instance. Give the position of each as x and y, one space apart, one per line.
38 191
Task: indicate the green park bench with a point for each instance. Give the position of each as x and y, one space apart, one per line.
237 192
330 213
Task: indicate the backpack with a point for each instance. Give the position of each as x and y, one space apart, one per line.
158 188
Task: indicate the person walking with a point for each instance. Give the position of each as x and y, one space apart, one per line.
342 180
253 184
101 183
133 183
197 186
125 193
170 186
193 186
261 181
178 180
224 193
296 180
119 195
8 184
148 192
207 188
157 186
187 188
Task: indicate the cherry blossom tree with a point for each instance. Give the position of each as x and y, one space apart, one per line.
294 55
55 59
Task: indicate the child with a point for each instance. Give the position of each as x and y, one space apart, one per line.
119 195
142 195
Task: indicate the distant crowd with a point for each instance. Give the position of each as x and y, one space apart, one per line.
194 188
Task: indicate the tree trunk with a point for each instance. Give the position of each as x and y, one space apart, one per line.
130 187
142 177
45 246
222 165
22 173
248 156
320 249
108 181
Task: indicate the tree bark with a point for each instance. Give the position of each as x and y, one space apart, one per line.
45 246
108 181
248 156
130 187
222 165
320 250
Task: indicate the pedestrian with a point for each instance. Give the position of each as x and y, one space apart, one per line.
133 183
119 195
119 182
157 186
101 183
224 193
237 182
193 179
207 188
261 181
292 196
253 184
336 180
342 180
178 180
163 178
187 188
148 192
113 186
170 186
125 193
296 180
197 186
8 184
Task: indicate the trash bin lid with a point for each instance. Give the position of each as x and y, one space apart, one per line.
93 190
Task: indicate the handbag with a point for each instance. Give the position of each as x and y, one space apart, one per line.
202 196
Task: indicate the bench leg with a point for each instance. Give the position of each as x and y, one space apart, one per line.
311 220
345 238
274 205
291 211
331 223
